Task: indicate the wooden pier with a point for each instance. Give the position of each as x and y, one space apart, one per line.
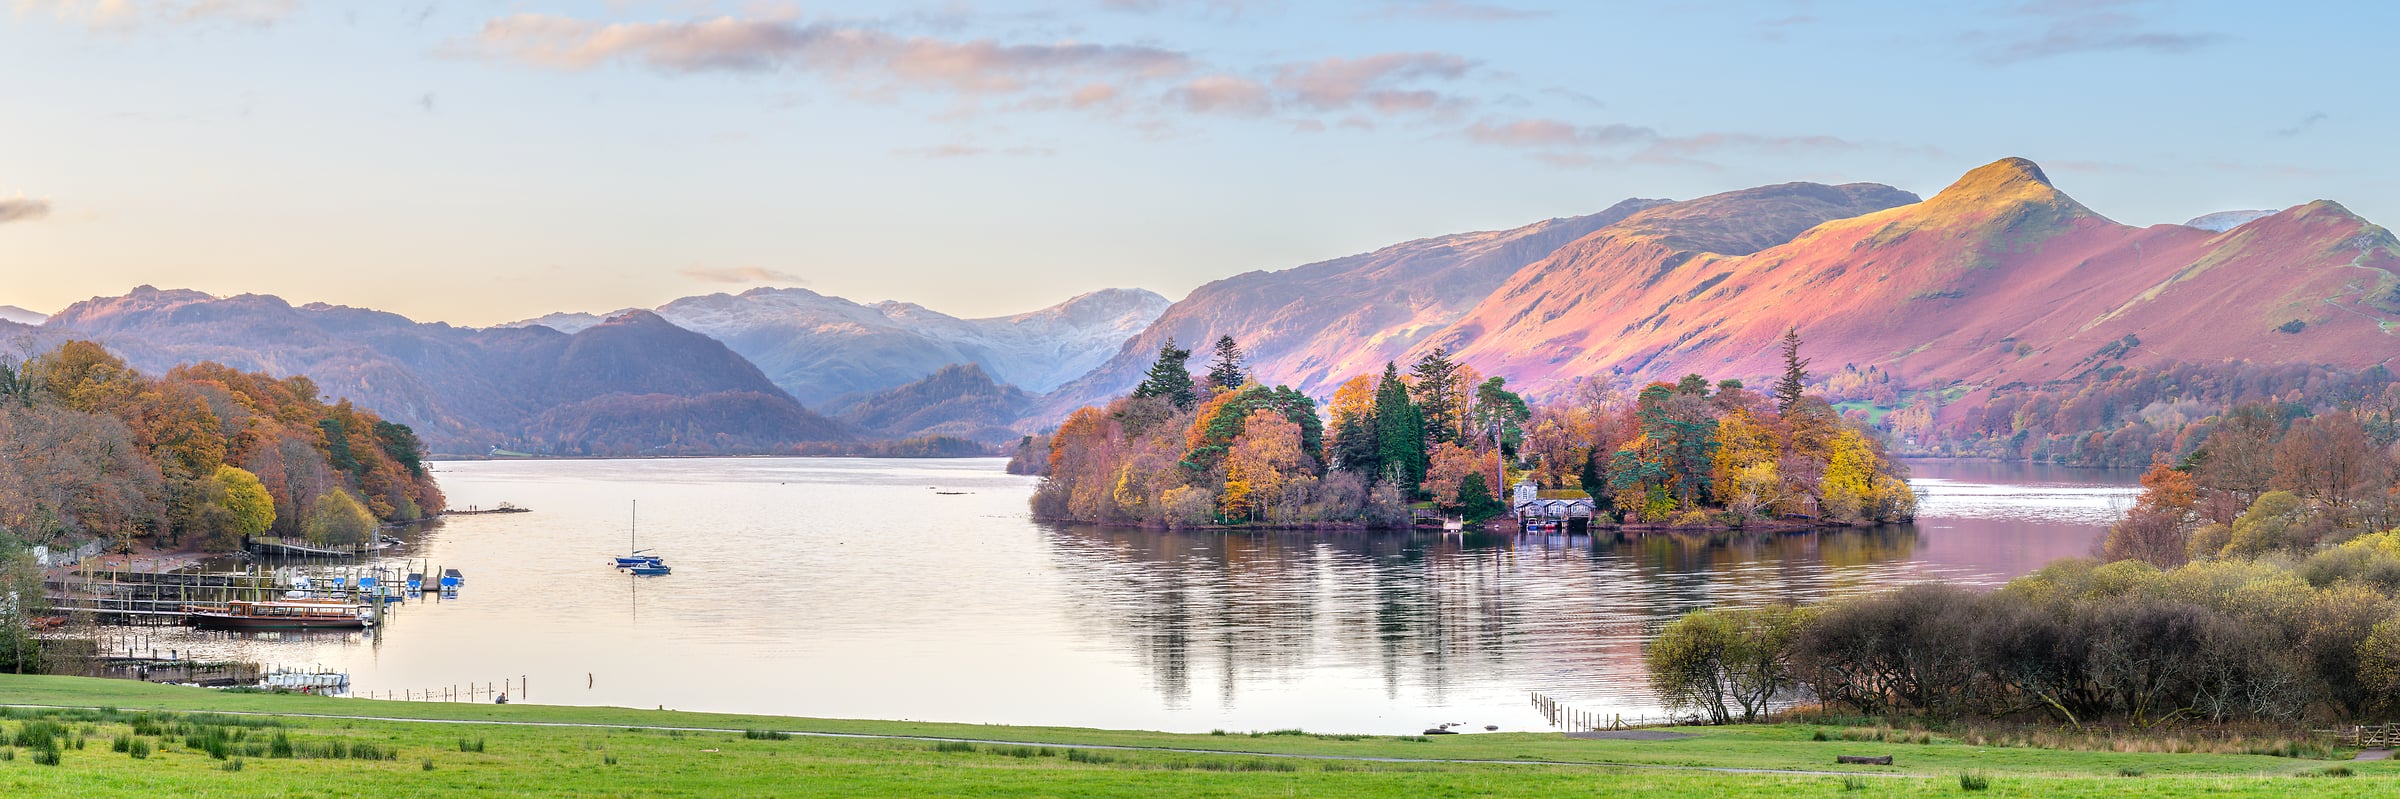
142 597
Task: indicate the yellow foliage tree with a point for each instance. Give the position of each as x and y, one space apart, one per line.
1261 461
1849 484
253 509
1355 399
1742 442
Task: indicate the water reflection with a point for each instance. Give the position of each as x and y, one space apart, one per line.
873 589
1424 616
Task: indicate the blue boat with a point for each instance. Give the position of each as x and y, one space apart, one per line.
416 582
451 579
634 560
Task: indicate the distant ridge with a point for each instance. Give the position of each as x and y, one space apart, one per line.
821 348
634 384
11 313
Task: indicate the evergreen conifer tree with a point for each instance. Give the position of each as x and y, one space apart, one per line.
1169 377
1436 394
1225 373
1399 431
1795 373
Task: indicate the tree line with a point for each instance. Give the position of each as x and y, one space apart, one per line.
2119 416
1227 449
2247 584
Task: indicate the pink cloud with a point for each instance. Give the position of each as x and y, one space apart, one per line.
1336 83
871 59
1223 94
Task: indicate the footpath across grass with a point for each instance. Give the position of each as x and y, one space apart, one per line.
105 738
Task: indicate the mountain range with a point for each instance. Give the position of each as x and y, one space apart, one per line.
1999 279
823 349
635 384
14 314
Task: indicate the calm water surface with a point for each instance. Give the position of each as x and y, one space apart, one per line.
919 589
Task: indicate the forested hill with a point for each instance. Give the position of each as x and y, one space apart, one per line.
203 455
634 385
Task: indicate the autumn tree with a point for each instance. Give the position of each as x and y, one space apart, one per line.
1262 461
1170 378
1354 447
251 510
1452 463
340 520
2158 528
1225 371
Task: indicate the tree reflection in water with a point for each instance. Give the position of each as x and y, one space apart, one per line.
1426 615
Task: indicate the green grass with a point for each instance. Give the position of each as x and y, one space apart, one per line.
298 755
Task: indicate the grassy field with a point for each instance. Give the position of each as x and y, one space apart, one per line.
349 747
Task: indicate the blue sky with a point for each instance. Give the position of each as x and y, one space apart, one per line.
481 162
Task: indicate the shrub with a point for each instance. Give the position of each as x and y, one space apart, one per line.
1973 781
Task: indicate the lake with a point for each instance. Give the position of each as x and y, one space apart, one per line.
920 589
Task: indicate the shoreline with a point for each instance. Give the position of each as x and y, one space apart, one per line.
1761 527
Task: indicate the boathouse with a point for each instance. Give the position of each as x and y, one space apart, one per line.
1531 507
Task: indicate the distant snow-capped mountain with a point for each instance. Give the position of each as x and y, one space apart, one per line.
2222 221
821 347
11 313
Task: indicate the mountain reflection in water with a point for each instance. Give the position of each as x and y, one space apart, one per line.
850 588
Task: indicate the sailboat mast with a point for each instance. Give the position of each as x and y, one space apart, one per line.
632 524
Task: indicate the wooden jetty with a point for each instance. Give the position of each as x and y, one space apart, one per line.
475 511
138 597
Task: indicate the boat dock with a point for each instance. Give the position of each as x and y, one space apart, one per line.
168 597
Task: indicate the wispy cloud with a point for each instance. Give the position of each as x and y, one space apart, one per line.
868 58
127 14
1456 11
1381 82
1556 134
970 151
742 274
2057 28
23 210
1563 143
1223 94
2303 125
1231 9
1144 85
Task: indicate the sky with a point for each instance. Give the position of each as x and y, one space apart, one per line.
477 163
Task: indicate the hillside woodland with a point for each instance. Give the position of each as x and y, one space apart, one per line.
1229 450
199 457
